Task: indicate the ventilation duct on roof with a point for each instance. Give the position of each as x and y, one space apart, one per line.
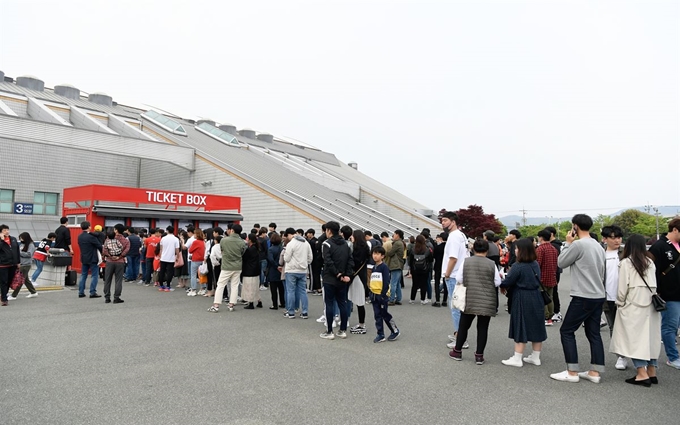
101 99
211 122
246 132
265 137
67 90
229 129
353 165
30 82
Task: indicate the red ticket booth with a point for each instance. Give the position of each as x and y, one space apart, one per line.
144 209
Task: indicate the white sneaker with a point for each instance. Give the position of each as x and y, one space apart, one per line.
532 360
32 295
263 288
513 361
10 298
452 345
321 319
565 377
557 317
411 302
621 363
452 338
587 377
335 324
424 302
327 335
202 292
191 293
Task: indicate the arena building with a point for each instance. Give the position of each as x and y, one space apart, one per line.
60 138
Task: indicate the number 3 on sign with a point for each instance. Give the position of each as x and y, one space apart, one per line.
19 208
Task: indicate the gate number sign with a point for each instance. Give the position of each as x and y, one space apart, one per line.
20 208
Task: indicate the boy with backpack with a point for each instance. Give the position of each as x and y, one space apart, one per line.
379 287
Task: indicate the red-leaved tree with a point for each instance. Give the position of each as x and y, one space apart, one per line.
473 222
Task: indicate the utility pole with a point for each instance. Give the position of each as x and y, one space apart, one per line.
647 208
656 213
524 216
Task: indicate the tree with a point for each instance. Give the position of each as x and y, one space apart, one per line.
531 230
629 219
473 222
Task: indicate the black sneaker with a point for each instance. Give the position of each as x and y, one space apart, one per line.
95 296
479 359
397 302
118 301
108 300
81 295
436 304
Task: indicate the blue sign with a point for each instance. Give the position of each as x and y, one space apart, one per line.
20 208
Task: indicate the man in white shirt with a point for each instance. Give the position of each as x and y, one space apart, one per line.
455 251
168 252
612 236
192 238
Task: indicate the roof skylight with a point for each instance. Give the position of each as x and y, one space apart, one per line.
167 123
217 134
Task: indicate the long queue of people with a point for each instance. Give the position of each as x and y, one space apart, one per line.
638 289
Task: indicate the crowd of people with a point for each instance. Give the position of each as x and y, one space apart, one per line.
637 290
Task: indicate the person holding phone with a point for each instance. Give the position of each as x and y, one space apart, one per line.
586 260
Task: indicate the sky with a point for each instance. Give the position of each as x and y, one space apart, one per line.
553 107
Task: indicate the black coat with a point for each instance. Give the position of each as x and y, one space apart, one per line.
89 245
251 262
9 254
273 254
337 259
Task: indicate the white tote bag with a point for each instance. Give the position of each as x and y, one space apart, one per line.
458 298
356 292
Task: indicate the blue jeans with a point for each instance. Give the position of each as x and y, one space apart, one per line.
455 313
644 363
194 274
263 269
429 285
331 294
587 311
669 328
38 269
132 268
86 268
395 285
296 292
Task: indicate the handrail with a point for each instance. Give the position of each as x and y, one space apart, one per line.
388 217
379 218
322 208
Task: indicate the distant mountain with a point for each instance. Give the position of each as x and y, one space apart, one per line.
511 221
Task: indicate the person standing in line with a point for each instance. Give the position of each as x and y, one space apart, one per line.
439 284
250 273
90 249
666 255
513 236
546 256
315 269
297 257
455 251
361 252
216 260
232 248
263 241
10 259
479 274
151 243
26 251
379 287
132 268
197 254
494 253
557 244
182 272
168 252
419 263
527 310
637 333
612 237
395 262
586 258
338 266
274 273
63 240
115 262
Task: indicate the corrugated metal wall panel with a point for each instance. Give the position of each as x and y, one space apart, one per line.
23 129
19 107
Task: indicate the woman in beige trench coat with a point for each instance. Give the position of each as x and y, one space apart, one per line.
637 329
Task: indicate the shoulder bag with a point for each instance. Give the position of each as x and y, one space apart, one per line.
657 301
459 297
546 298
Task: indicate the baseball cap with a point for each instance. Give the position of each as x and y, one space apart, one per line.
97 228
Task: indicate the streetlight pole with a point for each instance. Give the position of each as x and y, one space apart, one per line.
656 213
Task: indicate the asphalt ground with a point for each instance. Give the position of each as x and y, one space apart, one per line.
161 358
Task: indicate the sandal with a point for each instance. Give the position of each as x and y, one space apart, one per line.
231 307
214 309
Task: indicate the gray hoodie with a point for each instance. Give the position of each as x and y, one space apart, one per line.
297 255
587 260
26 257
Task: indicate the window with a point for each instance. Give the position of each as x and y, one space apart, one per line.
76 219
164 122
6 201
45 203
217 134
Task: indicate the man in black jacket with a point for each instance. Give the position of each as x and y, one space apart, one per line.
666 253
63 236
315 281
90 247
9 261
338 267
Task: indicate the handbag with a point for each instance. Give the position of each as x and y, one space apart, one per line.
203 269
658 302
179 260
17 280
459 297
546 298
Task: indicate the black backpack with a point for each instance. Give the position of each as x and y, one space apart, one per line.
420 262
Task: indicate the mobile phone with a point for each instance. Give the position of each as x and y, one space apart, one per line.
573 231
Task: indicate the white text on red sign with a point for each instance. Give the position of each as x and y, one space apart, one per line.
175 198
